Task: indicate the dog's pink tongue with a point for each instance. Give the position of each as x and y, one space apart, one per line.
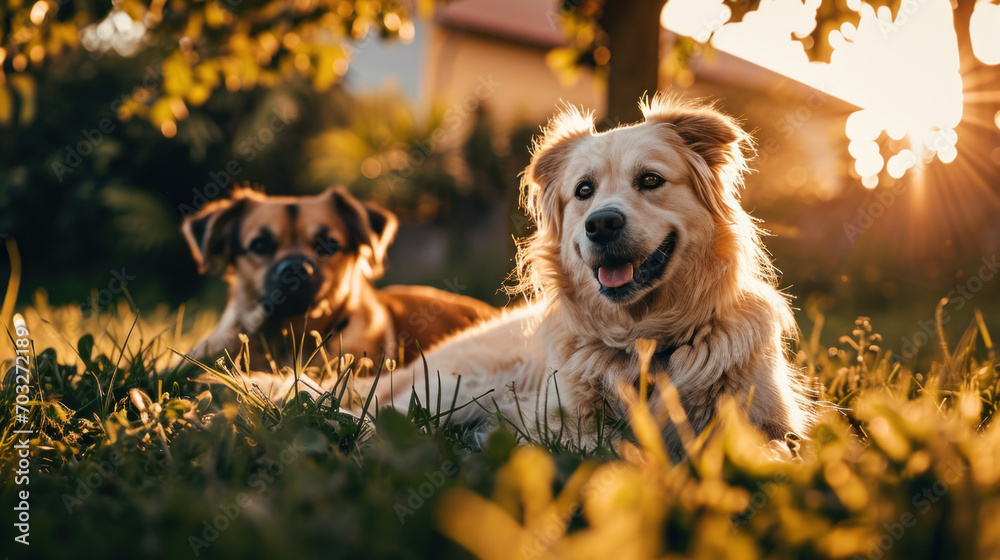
614 277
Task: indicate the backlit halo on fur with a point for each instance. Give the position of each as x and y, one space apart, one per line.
713 145
720 307
569 358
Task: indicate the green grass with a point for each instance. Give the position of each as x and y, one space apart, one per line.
124 464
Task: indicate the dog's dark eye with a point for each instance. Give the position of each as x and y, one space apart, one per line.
262 245
651 181
326 245
584 190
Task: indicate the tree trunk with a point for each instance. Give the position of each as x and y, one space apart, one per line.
633 27
963 17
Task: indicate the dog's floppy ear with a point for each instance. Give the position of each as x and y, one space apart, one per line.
212 233
715 138
370 228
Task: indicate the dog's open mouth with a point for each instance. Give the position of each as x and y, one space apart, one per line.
619 277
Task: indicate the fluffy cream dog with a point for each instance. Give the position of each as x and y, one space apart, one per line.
640 235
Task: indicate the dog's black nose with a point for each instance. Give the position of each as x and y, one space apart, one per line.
604 226
291 285
298 266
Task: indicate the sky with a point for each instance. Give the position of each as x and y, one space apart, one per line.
903 72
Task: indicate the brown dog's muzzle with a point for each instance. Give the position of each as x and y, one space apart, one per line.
291 285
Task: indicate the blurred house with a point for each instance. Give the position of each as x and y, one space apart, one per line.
477 54
493 54
798 130
480 52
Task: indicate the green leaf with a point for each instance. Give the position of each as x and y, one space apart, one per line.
6 105
500 444
85 346
394 427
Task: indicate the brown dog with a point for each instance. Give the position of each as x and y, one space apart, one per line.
308 263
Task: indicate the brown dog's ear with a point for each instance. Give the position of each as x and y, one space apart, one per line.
712 136
212 234
371 228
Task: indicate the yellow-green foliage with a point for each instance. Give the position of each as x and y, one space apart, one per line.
911 469
901 464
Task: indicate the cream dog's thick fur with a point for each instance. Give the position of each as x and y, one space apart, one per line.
640 235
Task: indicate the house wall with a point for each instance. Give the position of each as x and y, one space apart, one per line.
512 80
